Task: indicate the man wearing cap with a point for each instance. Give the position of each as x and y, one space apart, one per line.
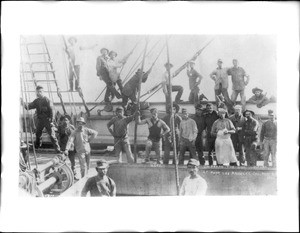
120 134
100 185
268 137
103 73
65 129
239 83
193 184
81 138
259 98
238 121
165 85
74 61
200 121
220 76
210 116
250 131
168 139
131 87
45 117
194 82
188 133
222 129
155 126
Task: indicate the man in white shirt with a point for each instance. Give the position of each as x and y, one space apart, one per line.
193 184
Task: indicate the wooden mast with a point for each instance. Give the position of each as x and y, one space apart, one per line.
138 100
172 119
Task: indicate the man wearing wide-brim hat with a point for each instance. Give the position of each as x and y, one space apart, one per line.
250 131
65 129
73 51
81 139
194 184
100 185
259 98
165 85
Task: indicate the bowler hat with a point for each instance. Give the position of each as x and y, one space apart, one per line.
256 89
104 49
80 119
247 110
193 162
102 164
72 38
112 52
168 64
199 106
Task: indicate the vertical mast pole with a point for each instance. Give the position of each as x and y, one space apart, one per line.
138 100
172 120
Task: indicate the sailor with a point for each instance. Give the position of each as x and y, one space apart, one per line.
168 139
103 74
200 121
113 66
131 87
45 118
220 77
259 98
175 88
193 184
268 137
155 126
237 138
222 128
65 129
239 83
250 131
100 185
210 116
194 82
81 138
187 136
74 65
120 134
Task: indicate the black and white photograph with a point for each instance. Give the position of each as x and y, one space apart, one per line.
149 117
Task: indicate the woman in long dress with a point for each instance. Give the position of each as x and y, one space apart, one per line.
222 128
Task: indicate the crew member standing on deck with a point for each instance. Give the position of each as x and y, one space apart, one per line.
74 64
210 116
45 117
81 138
168 139
175 88
100 185
200 121
65 129
250 131
188 133
155 125
194 82
120 134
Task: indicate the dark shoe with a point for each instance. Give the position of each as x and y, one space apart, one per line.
210 160
233 164
202 161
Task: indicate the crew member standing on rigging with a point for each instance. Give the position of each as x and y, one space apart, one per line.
45 117
154 139
175 88
194 81
74 62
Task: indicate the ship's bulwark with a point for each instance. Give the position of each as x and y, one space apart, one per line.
159 180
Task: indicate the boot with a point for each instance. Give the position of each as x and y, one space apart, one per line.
233 164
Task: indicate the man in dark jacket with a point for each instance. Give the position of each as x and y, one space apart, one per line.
45 117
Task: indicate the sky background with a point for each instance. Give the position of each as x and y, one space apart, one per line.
255 53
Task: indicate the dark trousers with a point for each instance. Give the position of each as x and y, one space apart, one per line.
250 147
237 141
74 74
168 145
199 148
184 145
193 97
210 147
111 91
179 90
44 123
224 92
